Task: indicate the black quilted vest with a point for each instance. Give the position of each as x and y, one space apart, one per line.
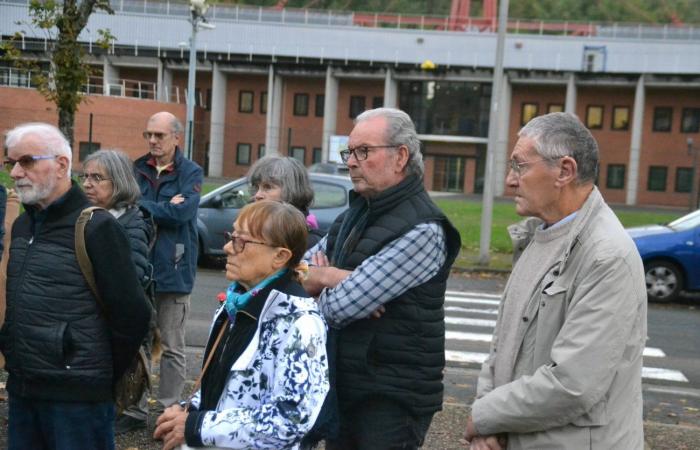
56 342
402 355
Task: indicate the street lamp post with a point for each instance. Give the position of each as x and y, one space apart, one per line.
693 176
197 9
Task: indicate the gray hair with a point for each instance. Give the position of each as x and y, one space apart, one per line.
562 134
400 130
176 125
118 167
287 173
55 142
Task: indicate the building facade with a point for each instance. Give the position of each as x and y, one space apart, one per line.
285 81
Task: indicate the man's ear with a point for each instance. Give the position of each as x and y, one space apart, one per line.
402 157
63 164
568 171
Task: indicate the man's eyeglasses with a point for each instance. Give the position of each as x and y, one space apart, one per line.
156 134
26 162
517 167
360 151
93 177
239 242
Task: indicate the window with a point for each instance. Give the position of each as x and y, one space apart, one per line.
691 120
86 148
684 179
208 100
663 116
328 195
528 111
616 176
357 105
263 102
377 102
555 107
320 103
657 178
594 117
243 154
301 104
298 153
316 155
245 101
621 118
261 150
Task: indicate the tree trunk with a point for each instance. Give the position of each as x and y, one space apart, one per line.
66 121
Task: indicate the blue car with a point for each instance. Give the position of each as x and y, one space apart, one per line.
671 255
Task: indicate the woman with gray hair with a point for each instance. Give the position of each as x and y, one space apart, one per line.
284 179
108 181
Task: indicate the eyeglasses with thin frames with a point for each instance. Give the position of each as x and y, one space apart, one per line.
360 152
26 162
93 177
147 135
517 167
239 242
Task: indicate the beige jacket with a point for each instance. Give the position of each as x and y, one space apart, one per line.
584 389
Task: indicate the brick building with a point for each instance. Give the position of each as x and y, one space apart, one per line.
285 81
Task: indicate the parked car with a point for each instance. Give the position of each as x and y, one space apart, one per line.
332 168
671 255
219 208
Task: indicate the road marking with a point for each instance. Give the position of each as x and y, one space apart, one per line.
465 357
462 336
663 374
471 300
459 309
654 352
473 294
470 322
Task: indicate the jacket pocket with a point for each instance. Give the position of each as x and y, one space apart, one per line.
551 313
60 343
597 416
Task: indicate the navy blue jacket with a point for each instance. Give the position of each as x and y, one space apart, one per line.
174 256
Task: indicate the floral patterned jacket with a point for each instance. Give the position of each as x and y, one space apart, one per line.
277 386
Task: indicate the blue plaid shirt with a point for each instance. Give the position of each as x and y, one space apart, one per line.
404 263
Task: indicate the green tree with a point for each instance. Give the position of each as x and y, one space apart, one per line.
61 22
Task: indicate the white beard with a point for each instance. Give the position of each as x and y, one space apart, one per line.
32 193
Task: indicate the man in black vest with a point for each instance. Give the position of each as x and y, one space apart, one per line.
64 350
380 275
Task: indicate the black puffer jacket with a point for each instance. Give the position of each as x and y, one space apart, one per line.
139 228
59 344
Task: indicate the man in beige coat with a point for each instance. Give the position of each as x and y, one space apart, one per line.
565 366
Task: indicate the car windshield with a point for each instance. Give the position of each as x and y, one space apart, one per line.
686 222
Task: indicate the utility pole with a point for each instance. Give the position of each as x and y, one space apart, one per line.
489 176
693 176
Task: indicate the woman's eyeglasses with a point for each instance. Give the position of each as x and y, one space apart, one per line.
93 177
239 242
26 162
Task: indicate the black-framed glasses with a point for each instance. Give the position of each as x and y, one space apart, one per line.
26 162
93 177
360 152
154 134
239 242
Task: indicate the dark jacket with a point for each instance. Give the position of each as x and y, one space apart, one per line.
59 343
174 255
400 356
3 203
139 229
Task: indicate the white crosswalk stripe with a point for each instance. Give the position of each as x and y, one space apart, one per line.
469 334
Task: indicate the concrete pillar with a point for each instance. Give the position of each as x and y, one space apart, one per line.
330 111
274 112
391 90
217 121
165 82
110 75
502 149
636 143
570 105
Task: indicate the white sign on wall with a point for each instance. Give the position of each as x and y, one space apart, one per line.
337 143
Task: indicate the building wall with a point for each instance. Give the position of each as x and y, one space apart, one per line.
118 123
303 130
347 88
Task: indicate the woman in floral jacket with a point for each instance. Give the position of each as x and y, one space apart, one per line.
266 372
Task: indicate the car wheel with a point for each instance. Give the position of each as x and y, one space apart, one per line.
664 281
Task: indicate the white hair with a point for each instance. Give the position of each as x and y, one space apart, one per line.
56 143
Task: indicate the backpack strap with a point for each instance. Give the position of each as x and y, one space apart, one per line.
81 252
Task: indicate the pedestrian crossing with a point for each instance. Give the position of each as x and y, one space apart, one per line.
470 318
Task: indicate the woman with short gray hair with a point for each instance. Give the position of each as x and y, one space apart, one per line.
284 179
